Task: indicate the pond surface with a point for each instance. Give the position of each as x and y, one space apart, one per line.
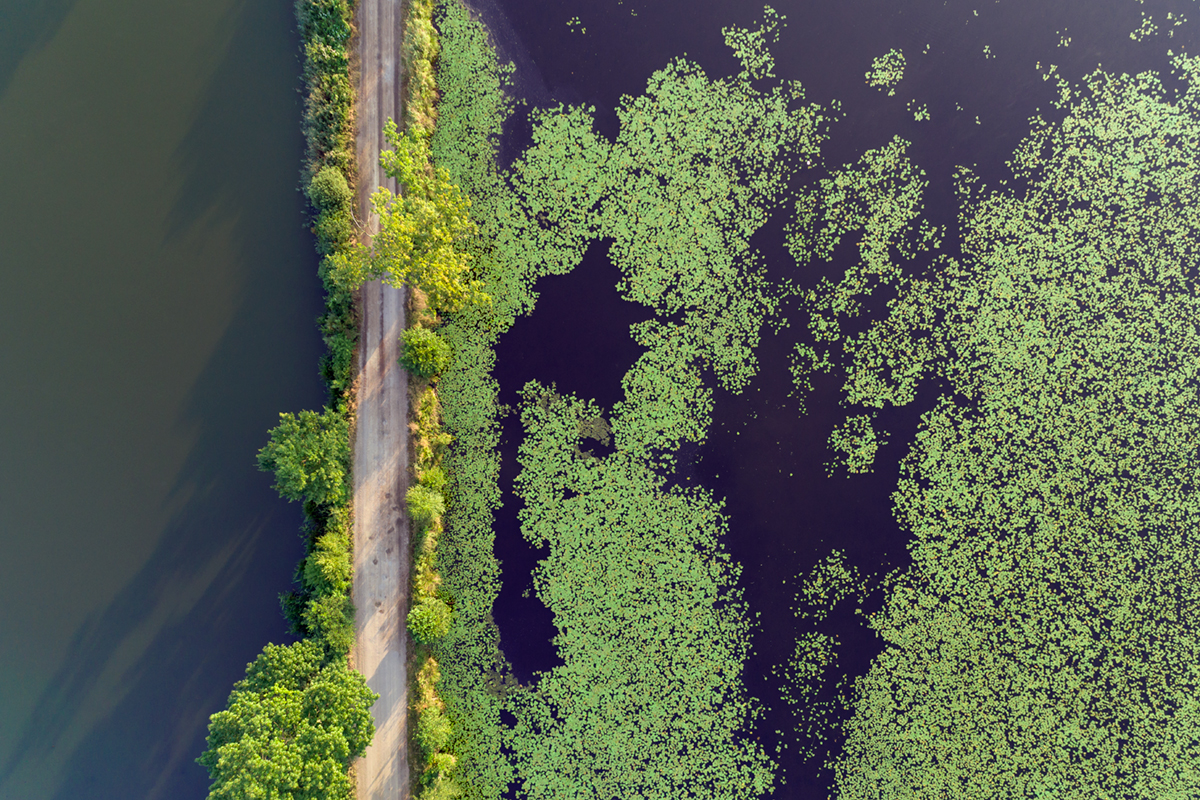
157 314
978 69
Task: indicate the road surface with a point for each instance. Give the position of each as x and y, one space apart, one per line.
381 563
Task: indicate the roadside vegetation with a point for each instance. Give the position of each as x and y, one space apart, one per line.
293 725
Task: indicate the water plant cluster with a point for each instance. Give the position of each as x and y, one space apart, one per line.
640 707
1041 643
887 71
301 715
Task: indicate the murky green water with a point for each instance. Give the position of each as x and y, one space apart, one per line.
156 313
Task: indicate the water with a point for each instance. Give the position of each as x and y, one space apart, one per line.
157 314
766 458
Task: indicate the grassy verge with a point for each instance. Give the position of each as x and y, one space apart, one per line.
426 355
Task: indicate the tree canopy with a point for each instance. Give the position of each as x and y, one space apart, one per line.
310 456
290 728
423 231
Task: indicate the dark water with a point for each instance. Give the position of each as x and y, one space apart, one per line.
766 458
157 314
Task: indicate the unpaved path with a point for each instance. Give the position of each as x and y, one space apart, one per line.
381 568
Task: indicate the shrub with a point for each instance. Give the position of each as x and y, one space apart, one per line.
425 505
310 456
434 479
429 620
327 569
337 366
324 21
425 353
440 766
441 788
330 619
329 191
433 732
334 229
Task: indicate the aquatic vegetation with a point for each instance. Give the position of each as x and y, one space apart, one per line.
857 443
1043 640
471 110
651 630
1147 28
878 200
887 71
920 111
681 209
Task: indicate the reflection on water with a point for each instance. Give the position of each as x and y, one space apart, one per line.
158 306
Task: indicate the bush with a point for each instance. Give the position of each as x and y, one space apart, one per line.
310 456
425 353
329 191
334 230
429 620
337 366
327 569
440 767
433 732
330 618
425 505
324 21
434 479
441 788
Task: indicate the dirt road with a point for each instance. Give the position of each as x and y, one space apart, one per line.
381 568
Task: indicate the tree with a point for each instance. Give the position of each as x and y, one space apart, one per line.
425 353
290 728
310 456
423 232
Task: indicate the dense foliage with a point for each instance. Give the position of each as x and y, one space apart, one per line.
424 354
290 728
423 230
310 456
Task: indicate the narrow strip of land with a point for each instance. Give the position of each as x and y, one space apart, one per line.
381 568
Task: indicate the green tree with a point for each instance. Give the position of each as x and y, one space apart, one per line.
330 619
423 231
425 354
290 728
310 456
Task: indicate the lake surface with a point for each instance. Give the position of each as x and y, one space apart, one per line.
157 313
978 68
